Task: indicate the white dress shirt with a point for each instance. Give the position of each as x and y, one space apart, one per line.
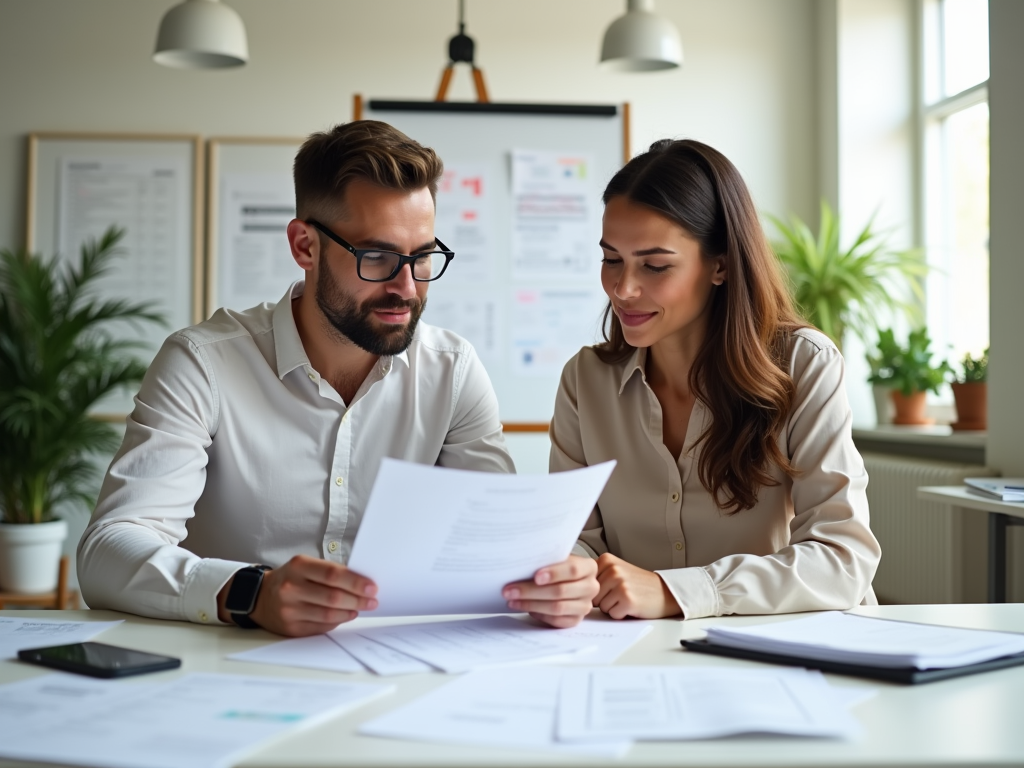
805 546
239 452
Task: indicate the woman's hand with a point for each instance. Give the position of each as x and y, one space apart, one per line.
630 591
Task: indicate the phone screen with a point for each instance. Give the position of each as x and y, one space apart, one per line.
98 659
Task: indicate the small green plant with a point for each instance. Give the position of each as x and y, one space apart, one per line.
838 289
57 359
975 369
908 369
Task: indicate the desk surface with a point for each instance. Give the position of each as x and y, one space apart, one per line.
959 496
970 721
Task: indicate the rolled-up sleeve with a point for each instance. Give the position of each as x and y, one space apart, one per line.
832 555
128 557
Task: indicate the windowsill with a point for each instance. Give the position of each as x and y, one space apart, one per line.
932 442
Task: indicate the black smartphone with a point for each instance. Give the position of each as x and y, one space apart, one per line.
98 659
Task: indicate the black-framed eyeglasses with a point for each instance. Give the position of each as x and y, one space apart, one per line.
377 266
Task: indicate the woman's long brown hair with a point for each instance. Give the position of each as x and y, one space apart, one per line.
740 372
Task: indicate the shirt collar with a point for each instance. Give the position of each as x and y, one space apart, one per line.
290 352
635 362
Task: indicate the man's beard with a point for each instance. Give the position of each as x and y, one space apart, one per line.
354 321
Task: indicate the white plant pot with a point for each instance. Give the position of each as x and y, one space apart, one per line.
884 408
30 556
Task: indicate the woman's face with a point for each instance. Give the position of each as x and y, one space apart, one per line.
658 282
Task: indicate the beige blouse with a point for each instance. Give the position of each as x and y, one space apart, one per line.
805 546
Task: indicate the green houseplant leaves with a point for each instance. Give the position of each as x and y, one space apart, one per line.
841 289
908 369
58 357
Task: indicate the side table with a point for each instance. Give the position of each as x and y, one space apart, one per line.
61 598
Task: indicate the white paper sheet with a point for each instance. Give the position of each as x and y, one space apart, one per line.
463 221
254 262
549 326
446 541
194 721
316 652
608 639
459 646
474 318
855 639
509 709
601 703
17 634
554 216
380 659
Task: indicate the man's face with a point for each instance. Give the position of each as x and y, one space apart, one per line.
380 318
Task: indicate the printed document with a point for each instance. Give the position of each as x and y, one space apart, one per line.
845 637
18 634
316 652
610 703
459 646
507 708
380 659
446 541
198 720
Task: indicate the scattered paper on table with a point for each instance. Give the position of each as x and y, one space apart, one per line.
659 703
316 652
508 709
18 634
446 541
380 659
459 646
608 639
195 721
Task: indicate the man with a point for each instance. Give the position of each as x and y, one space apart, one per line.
257 435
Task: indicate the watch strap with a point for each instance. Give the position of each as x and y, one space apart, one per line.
245 591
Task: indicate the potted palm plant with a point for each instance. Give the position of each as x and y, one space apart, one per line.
839 289
910 373
970 392
58 357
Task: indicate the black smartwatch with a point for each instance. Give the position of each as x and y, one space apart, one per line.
241 600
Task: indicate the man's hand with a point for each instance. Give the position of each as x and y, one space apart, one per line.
559 595
627 590
307 596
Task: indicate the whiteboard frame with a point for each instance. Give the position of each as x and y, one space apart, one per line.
213 179
43 213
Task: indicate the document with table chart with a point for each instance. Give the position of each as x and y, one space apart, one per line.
446 541
18 634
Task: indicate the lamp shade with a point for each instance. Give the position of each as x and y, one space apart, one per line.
640 41
201 34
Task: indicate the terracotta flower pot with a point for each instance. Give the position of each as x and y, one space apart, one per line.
910 409
971 405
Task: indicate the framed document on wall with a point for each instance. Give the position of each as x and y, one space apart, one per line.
150 185
250 200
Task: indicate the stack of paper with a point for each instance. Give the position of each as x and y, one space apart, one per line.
204 720
844 637
1002 488
600 711
452 646
19 634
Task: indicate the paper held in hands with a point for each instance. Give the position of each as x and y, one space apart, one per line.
446 541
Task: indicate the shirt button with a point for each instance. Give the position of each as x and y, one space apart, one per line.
332 547
339 481
679 545
204 617
675 496
312 377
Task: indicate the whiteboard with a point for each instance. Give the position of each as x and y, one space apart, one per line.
526 311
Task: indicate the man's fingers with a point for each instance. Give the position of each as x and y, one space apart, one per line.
326 597
559 622
332 575
566 590
552 608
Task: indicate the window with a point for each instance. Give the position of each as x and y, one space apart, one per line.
955 164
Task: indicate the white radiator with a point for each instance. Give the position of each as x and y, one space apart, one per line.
931 552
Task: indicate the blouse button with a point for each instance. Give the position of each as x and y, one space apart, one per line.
679 545
675 496
332 547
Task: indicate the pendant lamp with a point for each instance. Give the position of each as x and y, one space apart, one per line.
201 34
640 41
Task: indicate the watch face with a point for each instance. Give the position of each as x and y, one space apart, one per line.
243 592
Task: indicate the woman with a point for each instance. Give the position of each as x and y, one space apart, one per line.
738 488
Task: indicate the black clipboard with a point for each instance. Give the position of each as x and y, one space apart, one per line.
908 675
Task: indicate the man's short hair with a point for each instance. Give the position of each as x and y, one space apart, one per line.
364 149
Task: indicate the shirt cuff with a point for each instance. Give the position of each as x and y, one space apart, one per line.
583 551
199 598
694 590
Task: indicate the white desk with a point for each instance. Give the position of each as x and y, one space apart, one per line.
1001 515
971 721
